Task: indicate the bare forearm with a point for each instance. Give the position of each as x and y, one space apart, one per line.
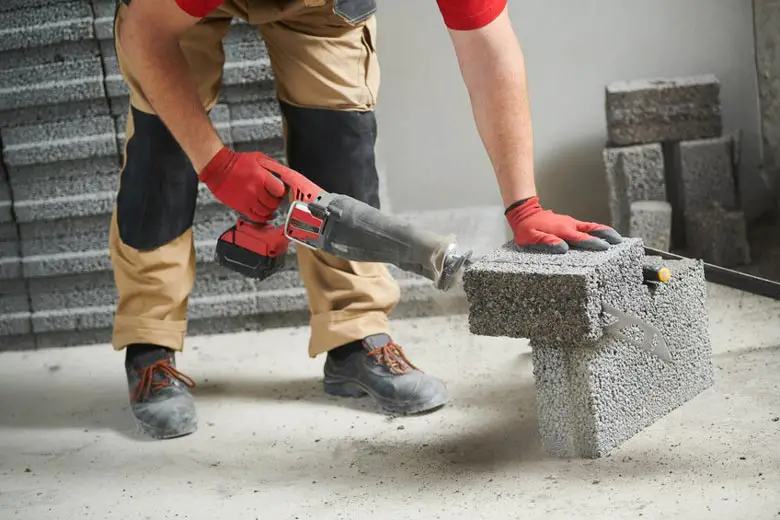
493 69
160 67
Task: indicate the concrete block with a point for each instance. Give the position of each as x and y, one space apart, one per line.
246 63
62 141
116 86
220 118
17 323
10 253
633 173
56 53
18 342
256 122
592 398
557 298
717 236
64 82
37 115
241 32
704 172
104 19
29 28
13 5
651 220
663 109
13 296
6 214
65 189
80 245
246 94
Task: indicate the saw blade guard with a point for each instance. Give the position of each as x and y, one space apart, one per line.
356 231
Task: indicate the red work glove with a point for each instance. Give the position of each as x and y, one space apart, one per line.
239 181
541 230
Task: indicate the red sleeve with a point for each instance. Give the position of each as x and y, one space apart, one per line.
198 8
467 15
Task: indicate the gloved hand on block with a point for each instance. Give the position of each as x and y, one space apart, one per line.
540 230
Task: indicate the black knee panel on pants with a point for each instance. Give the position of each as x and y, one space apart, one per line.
334 149
158 189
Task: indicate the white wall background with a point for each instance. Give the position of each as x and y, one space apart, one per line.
430 151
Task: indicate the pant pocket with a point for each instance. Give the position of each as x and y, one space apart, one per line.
354 11
158 187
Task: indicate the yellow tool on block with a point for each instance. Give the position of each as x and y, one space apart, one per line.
656 274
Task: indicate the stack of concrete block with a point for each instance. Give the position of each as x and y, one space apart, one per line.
63 112
670 168
595 389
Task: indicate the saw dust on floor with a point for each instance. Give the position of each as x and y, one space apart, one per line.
271 445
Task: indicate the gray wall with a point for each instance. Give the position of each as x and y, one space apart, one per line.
430 151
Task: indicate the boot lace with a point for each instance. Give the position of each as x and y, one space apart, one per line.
392 355
169 372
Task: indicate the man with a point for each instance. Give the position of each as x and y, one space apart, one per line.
324 60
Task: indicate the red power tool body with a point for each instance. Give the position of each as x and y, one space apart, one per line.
339 225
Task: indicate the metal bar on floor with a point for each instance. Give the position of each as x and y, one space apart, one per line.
728 277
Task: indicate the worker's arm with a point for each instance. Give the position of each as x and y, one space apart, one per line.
149 37
493 68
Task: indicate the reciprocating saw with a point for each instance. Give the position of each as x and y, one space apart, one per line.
339 225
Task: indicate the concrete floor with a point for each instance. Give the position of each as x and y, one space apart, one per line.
272 446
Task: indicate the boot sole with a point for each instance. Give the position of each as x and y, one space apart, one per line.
356 390
156 433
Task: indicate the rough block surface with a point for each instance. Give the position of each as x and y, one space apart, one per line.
718 236
651 220
558 298
62 141
29 28
593 398
663 109
704 172
633 173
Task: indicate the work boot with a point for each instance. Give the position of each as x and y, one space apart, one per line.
159 395
379 368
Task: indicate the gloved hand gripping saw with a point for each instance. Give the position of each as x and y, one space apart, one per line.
339 225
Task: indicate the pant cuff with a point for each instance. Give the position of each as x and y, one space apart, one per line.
336 328
128 330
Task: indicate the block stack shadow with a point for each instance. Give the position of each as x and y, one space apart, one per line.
62 124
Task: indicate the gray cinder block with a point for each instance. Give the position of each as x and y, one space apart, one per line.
592 398
220 118
555 297
61 141
252 123
663 109
633 173
10 254
104 19
80 245
6 215
704 171
29 28
51 83
12 5
15 324
65 189
651 220
718 236
594 388
116 87
13 296
246 63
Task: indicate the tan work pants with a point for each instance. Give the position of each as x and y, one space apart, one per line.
321 59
